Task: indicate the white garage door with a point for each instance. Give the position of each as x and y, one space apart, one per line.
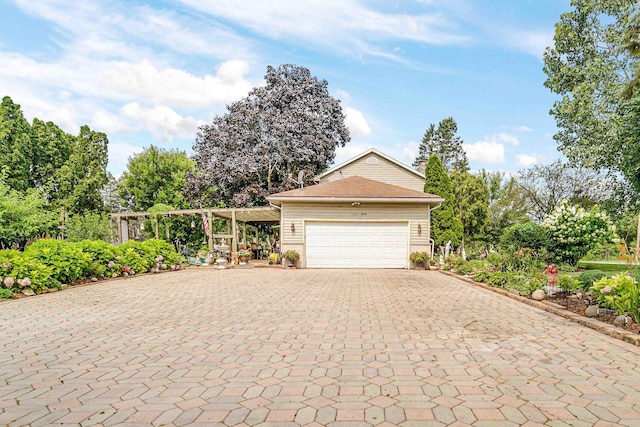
356 245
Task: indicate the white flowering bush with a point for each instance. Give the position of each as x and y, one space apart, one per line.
574 231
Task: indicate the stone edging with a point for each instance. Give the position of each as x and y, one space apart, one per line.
556 309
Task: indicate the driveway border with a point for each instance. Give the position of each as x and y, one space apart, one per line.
558 310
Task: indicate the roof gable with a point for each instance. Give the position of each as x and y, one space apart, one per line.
378 154
355 188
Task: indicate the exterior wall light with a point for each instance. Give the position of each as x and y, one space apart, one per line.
419 228
293 227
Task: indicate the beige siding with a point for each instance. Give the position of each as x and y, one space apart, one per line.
298 214
384 171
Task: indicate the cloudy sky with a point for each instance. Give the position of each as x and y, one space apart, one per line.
150 72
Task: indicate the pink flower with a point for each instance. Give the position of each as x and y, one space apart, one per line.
9 282
159 258
163 266
111 264
26 282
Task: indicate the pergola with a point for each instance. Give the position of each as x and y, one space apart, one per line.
234 216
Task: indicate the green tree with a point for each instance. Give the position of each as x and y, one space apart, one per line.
506 203
15 145
444 143
445 225
545 186
155 176
80 180
23 216
471 201
51 149
89 226
589 69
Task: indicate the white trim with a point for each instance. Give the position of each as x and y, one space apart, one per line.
369 151
356 199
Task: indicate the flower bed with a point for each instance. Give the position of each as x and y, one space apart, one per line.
50 265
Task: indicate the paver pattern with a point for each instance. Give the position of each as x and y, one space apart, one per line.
306 347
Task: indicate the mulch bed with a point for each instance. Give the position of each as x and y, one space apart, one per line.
579 305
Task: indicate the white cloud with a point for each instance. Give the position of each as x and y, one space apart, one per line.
522 129
346 25
490 152
533 42
177 87
343 95
349 151
162 121
356 123
408 152
506 138
119 153
107 122
525 160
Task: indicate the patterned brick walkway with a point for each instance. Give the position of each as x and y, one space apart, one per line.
307 347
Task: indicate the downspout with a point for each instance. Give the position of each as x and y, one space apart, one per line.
432 242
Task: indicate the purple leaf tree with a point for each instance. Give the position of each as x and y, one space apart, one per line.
291 124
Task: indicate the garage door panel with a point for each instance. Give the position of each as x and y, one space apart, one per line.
356 245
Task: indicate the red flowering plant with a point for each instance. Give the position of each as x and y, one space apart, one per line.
551 269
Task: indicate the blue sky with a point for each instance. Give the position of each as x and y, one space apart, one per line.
151 72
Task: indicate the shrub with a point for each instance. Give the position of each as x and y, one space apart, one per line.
620 292
587 279
567 283
605 252
498 279
524 259
574 231
481 276
494 259
6 293
67 261
18 266
156 247
526 235
131 262
104 260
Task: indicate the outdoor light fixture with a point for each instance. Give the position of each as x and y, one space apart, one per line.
193 224
293 227
419 228
355 203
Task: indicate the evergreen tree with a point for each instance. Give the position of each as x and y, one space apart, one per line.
445 225
444 143
15 145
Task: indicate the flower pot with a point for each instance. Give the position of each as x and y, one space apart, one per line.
243 259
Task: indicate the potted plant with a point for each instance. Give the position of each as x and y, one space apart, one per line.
244 255
292 256
420 259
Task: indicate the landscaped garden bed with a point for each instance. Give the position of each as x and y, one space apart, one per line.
49 265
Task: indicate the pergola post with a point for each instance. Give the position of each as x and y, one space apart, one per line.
157 231
234 232
210 220
244 233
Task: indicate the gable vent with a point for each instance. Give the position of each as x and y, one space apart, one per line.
373 160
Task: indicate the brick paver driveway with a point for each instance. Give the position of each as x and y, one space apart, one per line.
277 347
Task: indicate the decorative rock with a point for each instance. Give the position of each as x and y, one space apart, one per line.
592 311
538 295
620 321
64 286
53 289
94 279
28 292
514 291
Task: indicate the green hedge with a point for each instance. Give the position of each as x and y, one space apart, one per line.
49 263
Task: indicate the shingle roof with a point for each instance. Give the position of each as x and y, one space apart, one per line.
355 188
